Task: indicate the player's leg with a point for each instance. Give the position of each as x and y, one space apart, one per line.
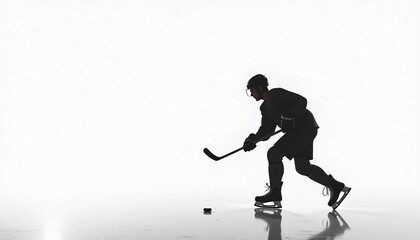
275 167
315 173
275 173
304 153
318 175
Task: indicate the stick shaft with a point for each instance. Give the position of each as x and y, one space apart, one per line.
268 135
239 149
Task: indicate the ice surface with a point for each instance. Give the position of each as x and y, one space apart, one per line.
99 218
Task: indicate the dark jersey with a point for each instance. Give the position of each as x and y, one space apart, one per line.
282 102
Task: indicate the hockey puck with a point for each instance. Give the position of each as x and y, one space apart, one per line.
207 210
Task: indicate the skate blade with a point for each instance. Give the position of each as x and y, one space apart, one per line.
276 204
346 191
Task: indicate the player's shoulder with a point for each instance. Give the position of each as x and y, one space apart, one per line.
275 92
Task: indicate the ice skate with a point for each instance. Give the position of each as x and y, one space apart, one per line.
272 199
334 191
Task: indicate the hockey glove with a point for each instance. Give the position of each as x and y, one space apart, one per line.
287 123
249 143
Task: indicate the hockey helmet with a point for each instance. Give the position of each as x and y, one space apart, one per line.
257 80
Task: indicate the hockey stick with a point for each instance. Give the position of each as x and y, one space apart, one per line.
216 158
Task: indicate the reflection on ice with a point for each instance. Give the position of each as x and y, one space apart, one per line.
273 219
335 226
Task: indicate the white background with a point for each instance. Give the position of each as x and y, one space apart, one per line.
118 98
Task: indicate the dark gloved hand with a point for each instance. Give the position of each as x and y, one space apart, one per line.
287 123
249 143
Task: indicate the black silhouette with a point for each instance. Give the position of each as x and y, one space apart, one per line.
288 111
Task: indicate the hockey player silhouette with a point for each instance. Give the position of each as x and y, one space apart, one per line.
287 110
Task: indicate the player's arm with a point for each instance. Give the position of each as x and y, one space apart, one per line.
267 126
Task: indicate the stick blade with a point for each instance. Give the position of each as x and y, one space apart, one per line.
211 155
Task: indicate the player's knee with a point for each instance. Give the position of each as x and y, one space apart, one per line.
305 171
303 168
274 156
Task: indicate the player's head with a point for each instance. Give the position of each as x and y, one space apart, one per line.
256 86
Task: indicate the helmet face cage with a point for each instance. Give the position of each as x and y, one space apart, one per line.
248 92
